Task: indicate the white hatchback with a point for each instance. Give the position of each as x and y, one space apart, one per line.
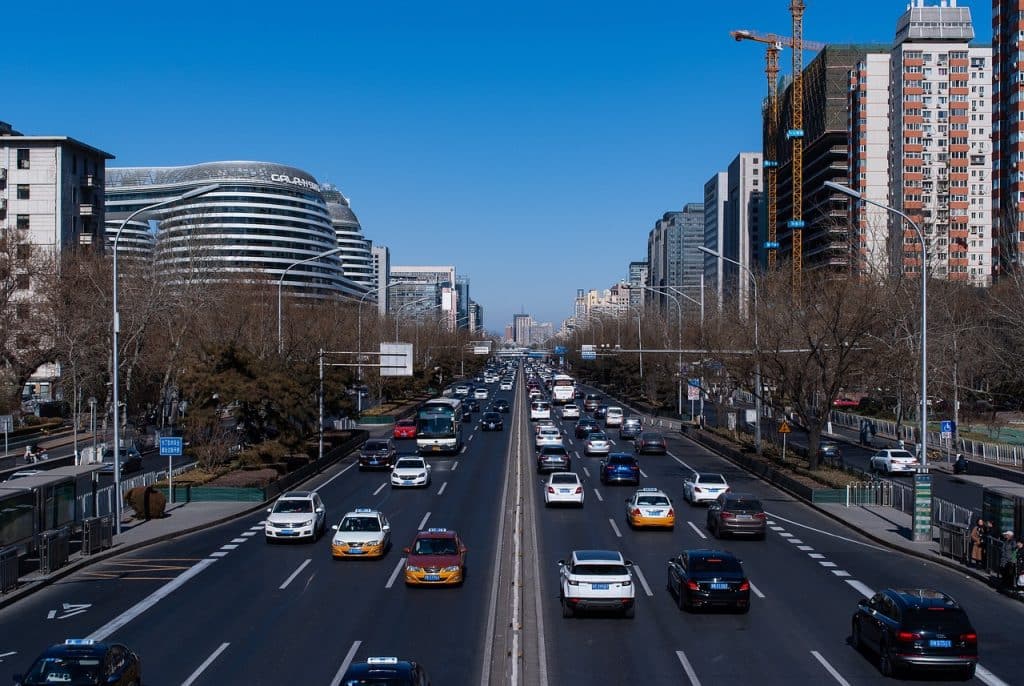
410 471
571 411
563 488
505 385
540 409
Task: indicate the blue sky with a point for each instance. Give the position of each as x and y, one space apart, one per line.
531 144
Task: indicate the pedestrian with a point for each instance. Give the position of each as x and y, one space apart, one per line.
960 466
977 551
901 444
29 455
1008 562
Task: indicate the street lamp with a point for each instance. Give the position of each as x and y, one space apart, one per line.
409 304
359 342
679 332
115 355
757 348
846 190
280 284
92 424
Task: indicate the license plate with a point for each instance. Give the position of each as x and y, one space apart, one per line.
599 587
719 587
937 643
745 518
355 551
407 482
286 532
563 490
436 448
433 577
654 513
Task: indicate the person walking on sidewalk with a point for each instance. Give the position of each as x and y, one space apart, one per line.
977 551
1008 562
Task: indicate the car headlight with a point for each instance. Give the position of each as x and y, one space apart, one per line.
413 568
452 568
422 475
368 544
308 522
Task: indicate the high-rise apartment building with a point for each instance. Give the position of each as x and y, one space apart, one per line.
868 160
1007 135
742 212
716 193
380 258
673 258
424 292
476 317
356 261
521 329
638 275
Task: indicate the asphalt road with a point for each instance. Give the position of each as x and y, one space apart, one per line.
221 606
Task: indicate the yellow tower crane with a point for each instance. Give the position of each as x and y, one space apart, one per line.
774 45
796 137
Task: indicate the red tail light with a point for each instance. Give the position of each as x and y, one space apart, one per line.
579 489
671 512
907 636
693 585
969 638
551 489
761 515
745 586
727 515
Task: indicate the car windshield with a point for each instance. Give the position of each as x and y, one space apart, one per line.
359 524
591 569
727 565
652 500
710 479
435 546
375 446
564 479
409 464
434 426
293 505
65 670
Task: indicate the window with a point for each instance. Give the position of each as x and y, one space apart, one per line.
21 282
23 191
23 161
22 222
24 251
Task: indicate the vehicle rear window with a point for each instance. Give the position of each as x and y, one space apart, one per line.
563 479
940 619
745 504
376 445
621 460
727 565
652 500
901 454
711 479
600 570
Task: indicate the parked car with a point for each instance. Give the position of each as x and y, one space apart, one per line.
737 514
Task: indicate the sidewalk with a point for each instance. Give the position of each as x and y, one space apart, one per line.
180 519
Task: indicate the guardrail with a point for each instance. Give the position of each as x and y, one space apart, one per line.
97 534
897 496
8 568
53 549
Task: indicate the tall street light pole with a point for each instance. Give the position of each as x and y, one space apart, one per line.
115 353
280 285
758 389
679 334
921 533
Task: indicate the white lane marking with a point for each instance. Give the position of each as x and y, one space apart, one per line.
472 436
816 556
440 491
228 546
394 574
863 589
615 527
380 488
3 655
317 489
690 674
463 451
598 494
988 677
830 669
778 528
826 533
294 574
206 663
587 472
423 522
149 601
455 465
576 453
826 563
258 527
643 473
785 534
840 573
643 581
756 590
219 553
336 681
681 462
239 540
795 541
805 548
770 522
698 531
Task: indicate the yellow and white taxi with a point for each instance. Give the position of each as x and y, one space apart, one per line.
650 507
363 532
437 557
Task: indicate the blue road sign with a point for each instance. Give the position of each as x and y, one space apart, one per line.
946 426
560 350
171 446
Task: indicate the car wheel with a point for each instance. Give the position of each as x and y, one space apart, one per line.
567 610
680 598
856 637
629 612
886 664
714 530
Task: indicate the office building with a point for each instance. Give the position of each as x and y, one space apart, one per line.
675 262
638 277
380 258
716 193
742 221
356 261
261 224
1007 139
462 303
521 329
424 292
476 317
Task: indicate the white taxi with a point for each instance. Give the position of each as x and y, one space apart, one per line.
650 507
363 532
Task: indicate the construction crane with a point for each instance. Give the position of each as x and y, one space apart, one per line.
774 45
796 138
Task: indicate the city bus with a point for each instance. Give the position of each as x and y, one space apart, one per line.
439 426
563 389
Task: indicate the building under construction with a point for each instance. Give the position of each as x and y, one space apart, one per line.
826 237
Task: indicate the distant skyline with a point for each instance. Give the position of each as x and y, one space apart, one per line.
532 145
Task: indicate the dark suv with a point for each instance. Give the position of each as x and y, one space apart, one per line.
619 468
737 513
916 628
585 425
377 453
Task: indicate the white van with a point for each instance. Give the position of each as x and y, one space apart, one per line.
614 416
540 409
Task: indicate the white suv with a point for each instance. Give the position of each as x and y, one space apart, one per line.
296 514
540 409
596 580
548 435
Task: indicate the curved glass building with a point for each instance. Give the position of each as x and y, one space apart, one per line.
263 219
356 260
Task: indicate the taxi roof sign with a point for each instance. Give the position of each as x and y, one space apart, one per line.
382 660
784 427
647 489
79 642
362 510
437 530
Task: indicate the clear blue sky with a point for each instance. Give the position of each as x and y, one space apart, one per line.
531 144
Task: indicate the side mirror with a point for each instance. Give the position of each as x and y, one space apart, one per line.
334 527
561 563
386 527
406 550
629 563
463 549
269 510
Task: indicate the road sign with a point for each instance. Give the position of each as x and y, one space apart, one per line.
588 352
784 427
6 423
693 389
771 245
947 427
560 350
171 446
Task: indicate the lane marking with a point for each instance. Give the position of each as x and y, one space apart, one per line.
840 573
826 563
229 546
643 473
336 681
756 590
988 677
862 588
380 488
3 655
472 436
258 527
816 556
576 453
394 574
778 528
219 553
697 530
805 548
440 491
455 465
294 574
795 541
827 533
206 663
598 494
239 540
587 472
463 451
830 669
317 489
148 602
423 522
643 581
615 527
690 674
785 534
770 522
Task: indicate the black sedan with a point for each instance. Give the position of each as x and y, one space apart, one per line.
708 578
586 425
651 442
377 453
491 421
86 662
502 406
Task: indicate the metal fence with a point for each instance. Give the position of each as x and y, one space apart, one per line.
53 549
901 497
105 496
97 534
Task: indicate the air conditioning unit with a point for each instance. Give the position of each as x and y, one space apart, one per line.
3 173
90 180
3 204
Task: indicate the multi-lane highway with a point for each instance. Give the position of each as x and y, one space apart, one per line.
222 607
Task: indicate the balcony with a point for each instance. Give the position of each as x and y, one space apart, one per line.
90 181
87 209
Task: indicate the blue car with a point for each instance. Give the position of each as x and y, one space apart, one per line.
620 468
